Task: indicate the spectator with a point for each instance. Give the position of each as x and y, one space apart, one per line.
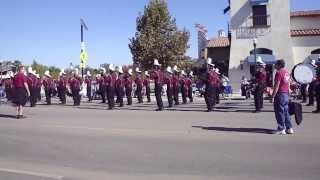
281 99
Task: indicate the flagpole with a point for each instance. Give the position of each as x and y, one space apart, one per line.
81 48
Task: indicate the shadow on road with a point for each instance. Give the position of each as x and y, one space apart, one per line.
7 116
242 130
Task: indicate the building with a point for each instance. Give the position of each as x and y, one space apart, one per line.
268 29
305 35
218 49
202 40
6 66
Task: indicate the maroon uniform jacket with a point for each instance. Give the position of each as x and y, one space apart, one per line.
183 83
261 76
189 82
158 77
101 81
176 81
169 81
110 79
128 81
139 80
120 82
32 81
212 78
48 83
8 83
74 83
88 81
62 83
39 83
146 82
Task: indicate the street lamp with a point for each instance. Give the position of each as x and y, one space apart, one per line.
71 66
255 41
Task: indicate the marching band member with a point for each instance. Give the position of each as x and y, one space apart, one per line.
218 86
261 79
39 86
62 87
8 83
317 87
102 85
189 85
211 82
75 86
311 89
146 83
48 86
176 85
139 84
128 86
157 76
110 81
120 87
88 82
184 87
32 80
169 81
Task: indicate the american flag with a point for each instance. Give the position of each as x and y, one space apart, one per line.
202 38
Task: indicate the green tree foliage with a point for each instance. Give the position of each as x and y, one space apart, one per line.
158 37
40 69
54 72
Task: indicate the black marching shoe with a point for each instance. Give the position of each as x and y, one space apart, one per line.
20 116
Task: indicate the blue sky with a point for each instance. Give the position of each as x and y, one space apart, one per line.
48 30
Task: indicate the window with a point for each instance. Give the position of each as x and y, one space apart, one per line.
259 15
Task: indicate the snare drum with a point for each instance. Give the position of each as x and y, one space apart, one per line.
303 73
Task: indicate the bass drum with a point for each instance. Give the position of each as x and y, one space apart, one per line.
303 73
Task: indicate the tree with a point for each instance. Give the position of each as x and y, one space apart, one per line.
17 63
54 72
40 69
158 37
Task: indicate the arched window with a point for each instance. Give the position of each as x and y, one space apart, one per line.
316 51
262 51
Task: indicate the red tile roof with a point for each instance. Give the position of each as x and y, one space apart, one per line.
218 42
305 13
305 32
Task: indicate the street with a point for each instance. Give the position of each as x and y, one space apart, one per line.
91 142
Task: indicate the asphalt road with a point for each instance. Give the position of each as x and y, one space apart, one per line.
90 142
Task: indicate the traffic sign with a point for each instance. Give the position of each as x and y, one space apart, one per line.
83 56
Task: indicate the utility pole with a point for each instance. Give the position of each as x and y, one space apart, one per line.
83 54
255 41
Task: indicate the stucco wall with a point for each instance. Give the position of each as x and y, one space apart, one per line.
305 22
277 37
302 47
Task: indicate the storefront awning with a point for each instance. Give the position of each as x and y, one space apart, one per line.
258 2
266 58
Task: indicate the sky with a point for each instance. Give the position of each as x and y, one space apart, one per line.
49 30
